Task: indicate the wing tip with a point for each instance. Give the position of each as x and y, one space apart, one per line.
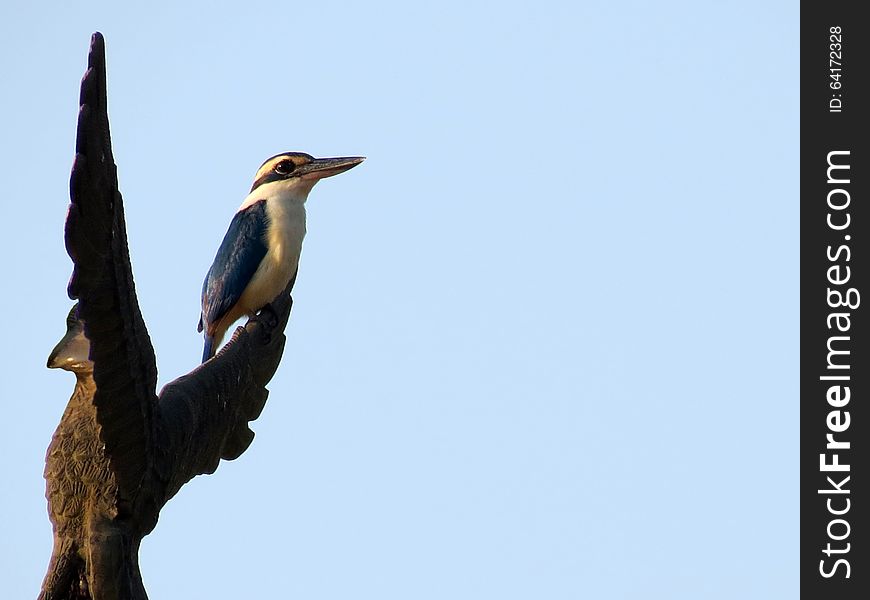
97 53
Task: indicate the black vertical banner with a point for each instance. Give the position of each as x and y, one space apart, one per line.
835 374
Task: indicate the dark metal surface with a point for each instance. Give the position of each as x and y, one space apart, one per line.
121 451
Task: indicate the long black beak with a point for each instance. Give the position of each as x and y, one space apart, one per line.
327 167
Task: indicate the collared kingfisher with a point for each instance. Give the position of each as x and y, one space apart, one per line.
259 255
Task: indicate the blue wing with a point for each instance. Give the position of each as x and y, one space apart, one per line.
235 263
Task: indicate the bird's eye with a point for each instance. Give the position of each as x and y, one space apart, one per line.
285 167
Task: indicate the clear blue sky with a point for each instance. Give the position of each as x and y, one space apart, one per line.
545 341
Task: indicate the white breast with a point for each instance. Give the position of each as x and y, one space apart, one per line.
285 210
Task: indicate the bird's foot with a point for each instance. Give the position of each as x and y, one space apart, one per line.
268 315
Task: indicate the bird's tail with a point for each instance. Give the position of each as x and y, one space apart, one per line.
208 347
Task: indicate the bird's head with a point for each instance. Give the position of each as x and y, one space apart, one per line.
73 350
296 172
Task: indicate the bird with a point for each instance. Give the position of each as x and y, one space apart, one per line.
105 490
88 559
121 450
259 255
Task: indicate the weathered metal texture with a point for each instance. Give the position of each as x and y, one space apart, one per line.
121 451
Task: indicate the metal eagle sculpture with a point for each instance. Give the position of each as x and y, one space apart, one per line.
121 451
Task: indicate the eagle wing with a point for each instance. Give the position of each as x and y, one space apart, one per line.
125 370
205 413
